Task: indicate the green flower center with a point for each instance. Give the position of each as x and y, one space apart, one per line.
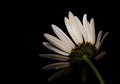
80 50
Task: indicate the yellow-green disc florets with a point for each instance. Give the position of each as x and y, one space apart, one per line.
80 50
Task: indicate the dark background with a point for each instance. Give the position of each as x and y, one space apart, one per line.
41 14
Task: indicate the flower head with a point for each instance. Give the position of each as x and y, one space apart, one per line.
70 52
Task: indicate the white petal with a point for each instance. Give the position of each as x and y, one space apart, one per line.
63 36
98 39
99 56
56 65
92 29
68 26
60 73
75 29
80 27
55 57
56 42
105 35
90 37
86 27
53 48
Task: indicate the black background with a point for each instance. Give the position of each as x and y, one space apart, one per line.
41 14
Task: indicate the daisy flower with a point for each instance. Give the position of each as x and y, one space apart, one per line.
81 46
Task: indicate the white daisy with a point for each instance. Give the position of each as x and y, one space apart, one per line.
71 51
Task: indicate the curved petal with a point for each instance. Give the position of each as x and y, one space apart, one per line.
55 57
74 28
61 73
58 43
99 56
56 65
63 36
53 48
104 36
92 30
86 27
98 39
80 27
69 29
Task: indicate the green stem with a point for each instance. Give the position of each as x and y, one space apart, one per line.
89 62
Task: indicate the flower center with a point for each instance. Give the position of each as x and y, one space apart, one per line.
80 50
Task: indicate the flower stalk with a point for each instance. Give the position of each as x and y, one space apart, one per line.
91 65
